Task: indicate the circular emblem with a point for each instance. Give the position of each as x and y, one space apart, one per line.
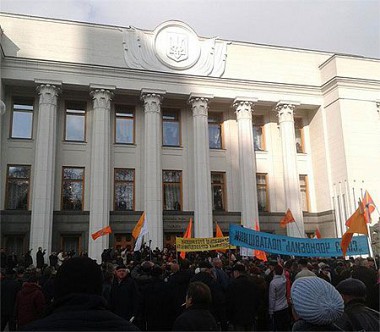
176 45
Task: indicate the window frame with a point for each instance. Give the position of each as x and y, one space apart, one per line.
261 124
127 109
220 121
75 180
76 105
127 182
299 120
306 186
265 175
164 184
22 101
224 193
177 114
7 187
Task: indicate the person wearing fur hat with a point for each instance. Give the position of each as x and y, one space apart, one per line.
316 305
78 304
357 316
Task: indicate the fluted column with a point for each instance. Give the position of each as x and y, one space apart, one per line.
247 162
293 199
152 166
202 175
44 167
100 169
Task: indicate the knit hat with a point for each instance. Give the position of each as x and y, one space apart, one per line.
353 287
78 275
316 301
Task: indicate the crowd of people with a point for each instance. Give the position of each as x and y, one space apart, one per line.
156 290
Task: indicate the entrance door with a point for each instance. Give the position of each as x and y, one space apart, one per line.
72 242
15 243
169 239
123 241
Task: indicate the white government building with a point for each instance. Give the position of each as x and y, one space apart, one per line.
104 122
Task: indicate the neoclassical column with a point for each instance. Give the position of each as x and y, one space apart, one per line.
152 165
247 162
44 167
293 199
202 175
100 168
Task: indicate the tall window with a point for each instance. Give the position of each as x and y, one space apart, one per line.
304 192
17 192
215 130
262 193
124 189
124 124
170 128
72 188
22 119
172 190
258 132
298 129
75 122
217 191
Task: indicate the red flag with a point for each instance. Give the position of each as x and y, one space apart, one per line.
187 235
357 225
369 206
287 219
258 253
103 231
318 234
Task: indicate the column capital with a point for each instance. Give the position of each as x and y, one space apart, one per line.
244 107
102 98
48 93
285 110
152 100
199 104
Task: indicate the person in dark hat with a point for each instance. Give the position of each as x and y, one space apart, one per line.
242 300
78 304
197 316
357 316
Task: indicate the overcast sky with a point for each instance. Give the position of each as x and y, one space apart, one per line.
341 26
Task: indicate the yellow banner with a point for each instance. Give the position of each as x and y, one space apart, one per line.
203 244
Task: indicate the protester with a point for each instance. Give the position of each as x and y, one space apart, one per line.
78 304
40 258
9 290
197 316
316 305
278 303
357 316
242 300
305 272
28 260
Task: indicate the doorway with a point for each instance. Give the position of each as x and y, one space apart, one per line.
71 242
122 241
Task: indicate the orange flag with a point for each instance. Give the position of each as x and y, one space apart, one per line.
369 206
258 253
136 231
357 225
103 231
318 234
287 219
187 235
219 233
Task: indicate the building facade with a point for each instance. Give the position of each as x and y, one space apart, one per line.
102 123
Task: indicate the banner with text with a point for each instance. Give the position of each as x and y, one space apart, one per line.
294 246
202 244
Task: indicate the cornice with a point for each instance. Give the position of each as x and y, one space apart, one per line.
349 82
150 78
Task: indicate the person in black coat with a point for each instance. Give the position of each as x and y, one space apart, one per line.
197 316
124 298
242 300
78 304
9 290
28 260
40 258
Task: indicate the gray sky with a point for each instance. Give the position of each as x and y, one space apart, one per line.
341 26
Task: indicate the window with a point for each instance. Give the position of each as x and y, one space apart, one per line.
170 128
304 192
172 190
124 124
22 119
75 122
72 188
215 130
217 191
298 129
18 183
124 189
258 132
262 193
